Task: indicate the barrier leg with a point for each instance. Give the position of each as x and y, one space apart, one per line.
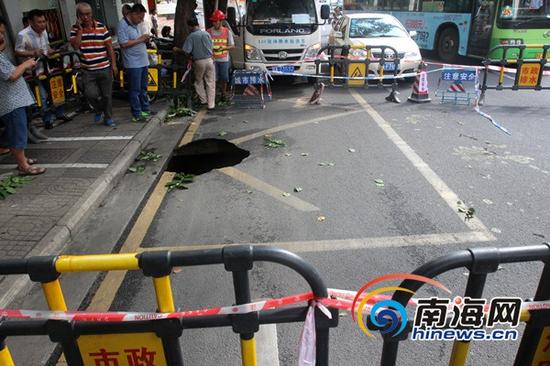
163 291
536 325
54 295
5 355
242 296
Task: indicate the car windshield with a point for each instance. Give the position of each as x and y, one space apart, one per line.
375 27
524 10
281 12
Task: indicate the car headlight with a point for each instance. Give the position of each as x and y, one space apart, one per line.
252 53
412 54
312 51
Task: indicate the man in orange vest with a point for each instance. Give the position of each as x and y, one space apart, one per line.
222 39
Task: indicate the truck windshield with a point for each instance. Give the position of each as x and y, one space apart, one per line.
525 13
260 12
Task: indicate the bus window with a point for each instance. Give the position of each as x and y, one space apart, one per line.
524 14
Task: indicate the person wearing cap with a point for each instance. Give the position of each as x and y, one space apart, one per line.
222 40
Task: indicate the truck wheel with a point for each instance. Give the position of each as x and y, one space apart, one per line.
447 44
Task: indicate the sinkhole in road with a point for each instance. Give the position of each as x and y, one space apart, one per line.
201 156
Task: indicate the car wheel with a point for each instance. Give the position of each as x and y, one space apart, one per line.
447 44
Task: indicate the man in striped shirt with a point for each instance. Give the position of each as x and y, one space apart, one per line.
97 60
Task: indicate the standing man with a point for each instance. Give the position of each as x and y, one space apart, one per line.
98 62
222 38
154 23
136 61
32 42
199 46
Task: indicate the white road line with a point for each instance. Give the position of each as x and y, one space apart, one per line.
268 189
355 244
267 347
61 166
437 183
90 138
253 136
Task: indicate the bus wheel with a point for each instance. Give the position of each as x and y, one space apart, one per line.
447 44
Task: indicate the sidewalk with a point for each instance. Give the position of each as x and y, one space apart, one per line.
84 160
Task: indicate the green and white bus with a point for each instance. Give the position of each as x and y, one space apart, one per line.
468 27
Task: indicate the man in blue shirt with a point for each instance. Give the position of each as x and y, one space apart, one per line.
136 62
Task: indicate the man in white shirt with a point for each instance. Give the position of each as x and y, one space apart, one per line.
32 42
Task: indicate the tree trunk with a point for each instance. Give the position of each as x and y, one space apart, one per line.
184 12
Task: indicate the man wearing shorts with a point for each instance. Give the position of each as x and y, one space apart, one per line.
222 39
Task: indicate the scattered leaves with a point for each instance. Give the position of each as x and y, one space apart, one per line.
288 154
222 133
323 163
270 142
351 150
180 112
496 230
10 184
298 189
379 182
487 201
137 169
286 194
304 154
148 155
179 181
321 218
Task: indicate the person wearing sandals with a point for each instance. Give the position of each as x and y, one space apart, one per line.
16 97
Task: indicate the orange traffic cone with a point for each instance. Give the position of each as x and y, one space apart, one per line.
420 93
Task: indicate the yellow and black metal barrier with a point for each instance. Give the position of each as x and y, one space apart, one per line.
481 262
57 78
528 70
163 80
353 66
83 342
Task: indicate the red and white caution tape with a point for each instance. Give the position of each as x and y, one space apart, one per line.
339 299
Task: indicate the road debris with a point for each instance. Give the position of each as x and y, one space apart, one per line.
298 189
222 133
496 230
179 181
351 150
272 143
148 155
321 218
379 182
304 154
323 163
487 201
468 136
245 121
137 169
288 154
467 211
539 235
10 184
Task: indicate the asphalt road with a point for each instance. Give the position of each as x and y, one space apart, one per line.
426 155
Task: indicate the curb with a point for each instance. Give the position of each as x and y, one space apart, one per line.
57 238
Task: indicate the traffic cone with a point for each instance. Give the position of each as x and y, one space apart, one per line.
420 93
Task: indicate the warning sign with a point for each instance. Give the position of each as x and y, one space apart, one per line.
529 74
153 82
542 356
57 90
356 70
131 349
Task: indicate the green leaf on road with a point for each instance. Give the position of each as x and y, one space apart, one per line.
222 133
273 143
379 182
179 181
148 155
